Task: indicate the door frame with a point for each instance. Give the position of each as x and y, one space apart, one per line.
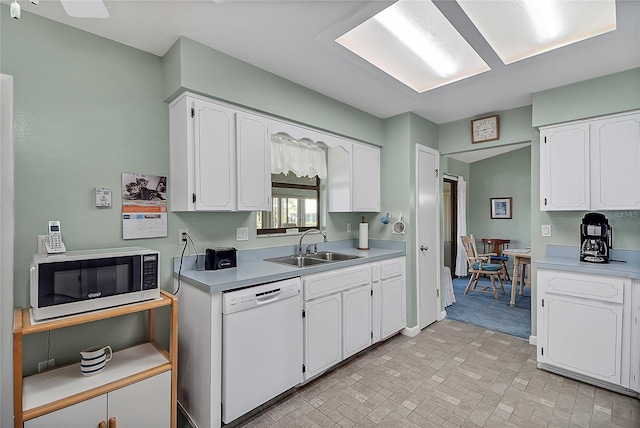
437 193
454 218
6 249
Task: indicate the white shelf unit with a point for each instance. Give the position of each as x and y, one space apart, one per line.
53 390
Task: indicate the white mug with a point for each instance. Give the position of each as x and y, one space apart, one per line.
94 359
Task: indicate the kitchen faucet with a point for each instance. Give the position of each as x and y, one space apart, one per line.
305 234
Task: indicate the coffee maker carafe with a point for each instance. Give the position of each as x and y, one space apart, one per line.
595 238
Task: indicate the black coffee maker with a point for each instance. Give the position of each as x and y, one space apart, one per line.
595 238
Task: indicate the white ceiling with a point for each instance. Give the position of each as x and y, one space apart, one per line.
295 39
478 155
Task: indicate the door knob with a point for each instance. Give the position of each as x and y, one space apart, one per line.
423 248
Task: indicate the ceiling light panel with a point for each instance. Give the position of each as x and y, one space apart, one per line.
414 43
519 29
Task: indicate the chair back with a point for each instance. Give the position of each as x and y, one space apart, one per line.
469 245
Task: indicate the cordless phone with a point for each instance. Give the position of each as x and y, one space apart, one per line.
55 244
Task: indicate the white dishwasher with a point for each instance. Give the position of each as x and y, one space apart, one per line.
261 345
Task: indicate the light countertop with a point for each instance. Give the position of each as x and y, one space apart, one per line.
252 269
623 263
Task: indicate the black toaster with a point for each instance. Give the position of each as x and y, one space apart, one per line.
220 258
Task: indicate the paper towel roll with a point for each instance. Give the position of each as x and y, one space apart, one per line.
363 240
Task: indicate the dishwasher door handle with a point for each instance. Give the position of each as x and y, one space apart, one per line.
268 298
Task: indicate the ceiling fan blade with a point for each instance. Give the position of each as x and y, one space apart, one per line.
85 8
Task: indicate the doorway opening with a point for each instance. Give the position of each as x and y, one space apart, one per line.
450 229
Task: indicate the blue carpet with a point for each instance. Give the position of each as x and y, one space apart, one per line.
483 310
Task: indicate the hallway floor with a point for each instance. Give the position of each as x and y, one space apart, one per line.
451 375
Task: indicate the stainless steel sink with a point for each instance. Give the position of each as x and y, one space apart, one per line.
332 257
312 259
297 261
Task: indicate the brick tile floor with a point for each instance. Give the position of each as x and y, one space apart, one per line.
451 375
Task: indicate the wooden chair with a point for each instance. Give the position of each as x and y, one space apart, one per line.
479 264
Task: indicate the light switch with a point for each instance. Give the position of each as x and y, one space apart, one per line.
546 230
242 234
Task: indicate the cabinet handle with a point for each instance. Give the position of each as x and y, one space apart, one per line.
112 422
102 424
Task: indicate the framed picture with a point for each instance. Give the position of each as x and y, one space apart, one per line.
501 208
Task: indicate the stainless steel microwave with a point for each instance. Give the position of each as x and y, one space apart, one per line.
83 281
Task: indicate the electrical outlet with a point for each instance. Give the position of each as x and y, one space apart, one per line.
46 365
348 227
42 239
546 230
182 236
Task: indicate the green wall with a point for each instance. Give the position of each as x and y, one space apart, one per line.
95 109
596 97
213 73
505 175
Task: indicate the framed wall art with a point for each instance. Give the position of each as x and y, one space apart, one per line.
501 208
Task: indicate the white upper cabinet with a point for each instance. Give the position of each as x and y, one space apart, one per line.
564 174
615 163
591 165
254 163
220 158
366 178
354 177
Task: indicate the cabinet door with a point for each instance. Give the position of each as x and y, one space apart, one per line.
564 168
615 163
392 306
339 178
86 414
254 163
322 334
366 178
583 336
356 320
635 337
215 157
143 404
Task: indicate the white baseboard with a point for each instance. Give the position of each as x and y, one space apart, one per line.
533 340
443 315
410 331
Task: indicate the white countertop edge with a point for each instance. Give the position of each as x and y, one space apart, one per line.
261 272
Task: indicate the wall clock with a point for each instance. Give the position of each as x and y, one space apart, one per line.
485 129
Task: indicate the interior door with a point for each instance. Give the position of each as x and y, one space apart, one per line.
428 234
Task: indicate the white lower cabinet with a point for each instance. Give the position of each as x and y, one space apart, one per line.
144 404
356 320
337 317
584 324
392 297
635 335
346 310
323 334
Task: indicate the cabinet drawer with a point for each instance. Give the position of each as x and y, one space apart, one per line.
322 284
595 287
391 268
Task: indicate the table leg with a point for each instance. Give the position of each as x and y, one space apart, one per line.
514 281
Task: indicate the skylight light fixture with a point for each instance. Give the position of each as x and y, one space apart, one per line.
519 29
414 43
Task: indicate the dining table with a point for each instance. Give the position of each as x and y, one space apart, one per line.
521 257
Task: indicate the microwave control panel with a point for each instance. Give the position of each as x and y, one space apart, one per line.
149 271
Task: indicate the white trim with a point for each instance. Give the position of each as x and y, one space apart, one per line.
436 153
410 331
443 315
6 249
450 176
533 340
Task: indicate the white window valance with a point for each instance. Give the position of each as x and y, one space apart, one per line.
302 157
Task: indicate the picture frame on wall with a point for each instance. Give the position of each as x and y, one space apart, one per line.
501 208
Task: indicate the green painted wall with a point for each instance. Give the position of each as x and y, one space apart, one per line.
596 97
506 175
96 109
515 127
213 73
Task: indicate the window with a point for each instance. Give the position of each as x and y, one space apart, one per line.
295 205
